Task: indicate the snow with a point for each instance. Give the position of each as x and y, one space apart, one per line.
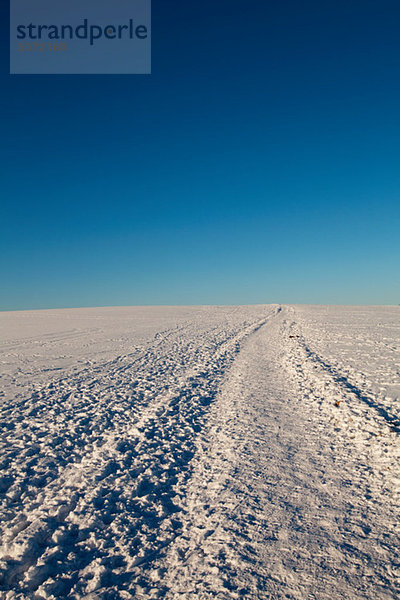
200 452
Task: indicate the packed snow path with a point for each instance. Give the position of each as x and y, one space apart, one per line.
242 452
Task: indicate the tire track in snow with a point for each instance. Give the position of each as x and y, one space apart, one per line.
391 419
333 390
283 502
114 503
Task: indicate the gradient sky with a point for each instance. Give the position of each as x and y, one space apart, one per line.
260 162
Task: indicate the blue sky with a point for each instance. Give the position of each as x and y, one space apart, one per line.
260 162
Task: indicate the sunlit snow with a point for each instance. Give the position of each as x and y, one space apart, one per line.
200 452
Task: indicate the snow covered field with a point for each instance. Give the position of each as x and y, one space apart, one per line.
200 452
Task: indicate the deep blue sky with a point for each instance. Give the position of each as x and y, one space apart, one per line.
260 162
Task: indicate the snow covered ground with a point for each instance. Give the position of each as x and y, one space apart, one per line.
200 452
